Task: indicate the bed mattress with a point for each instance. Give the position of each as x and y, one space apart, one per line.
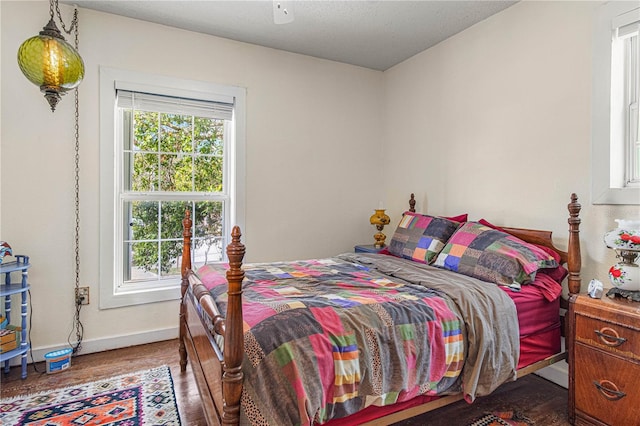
538 319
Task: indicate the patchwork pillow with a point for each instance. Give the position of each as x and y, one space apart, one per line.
421 237
492 255
558 273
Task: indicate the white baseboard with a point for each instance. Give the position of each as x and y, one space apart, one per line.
106 344
557 373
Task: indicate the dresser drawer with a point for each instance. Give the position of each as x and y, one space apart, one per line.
609 336
607 387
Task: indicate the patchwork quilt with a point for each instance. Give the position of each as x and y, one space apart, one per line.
326 338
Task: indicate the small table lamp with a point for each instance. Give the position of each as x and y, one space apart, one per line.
379 219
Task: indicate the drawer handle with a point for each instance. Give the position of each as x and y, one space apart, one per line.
609 390
610 339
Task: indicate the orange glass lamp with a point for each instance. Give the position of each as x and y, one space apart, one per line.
379 219
51 63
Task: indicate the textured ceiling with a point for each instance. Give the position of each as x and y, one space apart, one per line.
371 34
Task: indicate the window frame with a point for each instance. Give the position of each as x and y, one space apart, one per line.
632 98
112 293
602 144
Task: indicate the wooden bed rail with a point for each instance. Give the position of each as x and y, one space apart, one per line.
200 292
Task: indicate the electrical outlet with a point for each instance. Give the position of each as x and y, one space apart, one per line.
82 295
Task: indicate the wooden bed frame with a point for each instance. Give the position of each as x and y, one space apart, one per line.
219 377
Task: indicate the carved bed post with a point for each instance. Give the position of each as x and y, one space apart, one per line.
185 266
233 338
575 262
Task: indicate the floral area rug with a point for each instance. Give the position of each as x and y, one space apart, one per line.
502 418
140 398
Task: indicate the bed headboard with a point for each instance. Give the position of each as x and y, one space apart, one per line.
571 257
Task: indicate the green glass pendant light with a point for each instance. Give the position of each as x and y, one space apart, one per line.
48 61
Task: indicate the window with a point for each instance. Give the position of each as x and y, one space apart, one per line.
616 117
625 79
167 146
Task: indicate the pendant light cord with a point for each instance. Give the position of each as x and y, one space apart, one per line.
74 21
79 328
78 324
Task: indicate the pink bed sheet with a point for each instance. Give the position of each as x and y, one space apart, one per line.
538 308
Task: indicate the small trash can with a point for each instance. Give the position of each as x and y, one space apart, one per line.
58 360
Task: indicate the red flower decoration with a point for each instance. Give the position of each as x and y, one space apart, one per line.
635 239
615 272
625 237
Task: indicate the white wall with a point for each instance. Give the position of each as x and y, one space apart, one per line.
453 123
0 128
312 126
496 122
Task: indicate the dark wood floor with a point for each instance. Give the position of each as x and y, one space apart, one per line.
543 402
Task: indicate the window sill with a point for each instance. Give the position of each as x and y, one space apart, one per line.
109 299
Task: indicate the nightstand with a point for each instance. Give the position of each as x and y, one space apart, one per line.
604 361
368 248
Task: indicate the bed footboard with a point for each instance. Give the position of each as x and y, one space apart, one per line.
218 375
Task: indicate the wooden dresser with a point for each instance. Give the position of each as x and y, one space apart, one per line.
604 361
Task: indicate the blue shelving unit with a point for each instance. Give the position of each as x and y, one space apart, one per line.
9 288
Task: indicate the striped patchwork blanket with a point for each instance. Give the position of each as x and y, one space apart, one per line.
326 338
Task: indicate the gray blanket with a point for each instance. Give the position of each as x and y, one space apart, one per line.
492 341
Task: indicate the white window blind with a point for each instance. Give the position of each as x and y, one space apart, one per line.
627 23
174 105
